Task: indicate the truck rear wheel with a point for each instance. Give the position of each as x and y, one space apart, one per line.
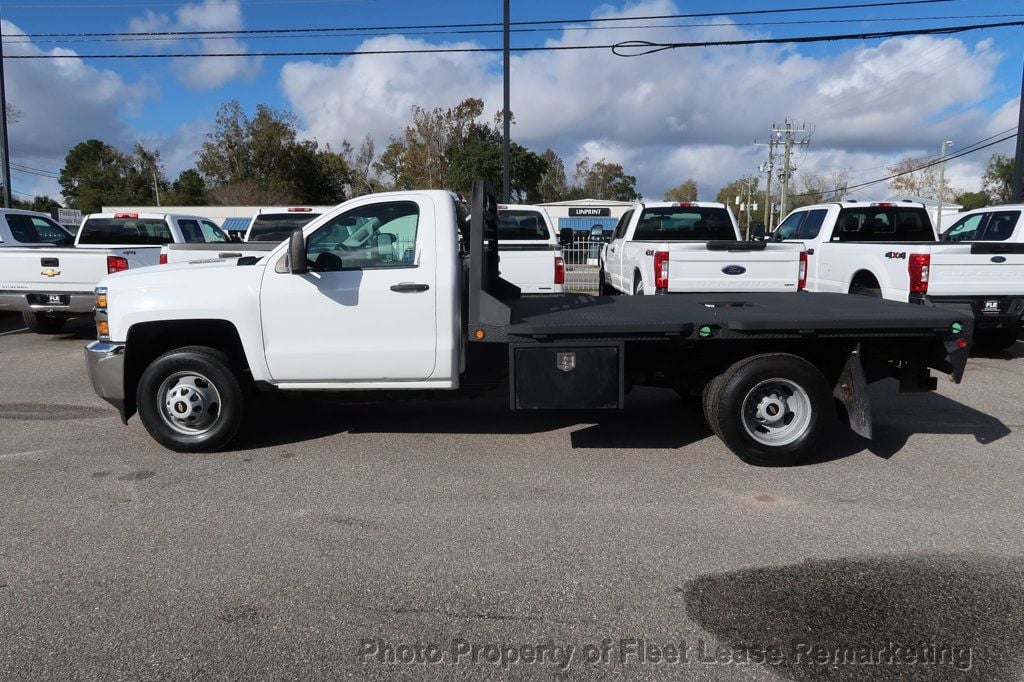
190 400
44 324
605 289
769 409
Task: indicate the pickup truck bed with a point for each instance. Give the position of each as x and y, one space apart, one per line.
736 315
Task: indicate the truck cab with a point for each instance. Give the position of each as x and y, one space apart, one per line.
275 224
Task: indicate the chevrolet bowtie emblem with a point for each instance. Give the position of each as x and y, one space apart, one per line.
50 273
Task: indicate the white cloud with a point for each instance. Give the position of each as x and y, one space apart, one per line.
204 73
680 113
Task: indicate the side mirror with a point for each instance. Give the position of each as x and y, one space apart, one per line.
297 253
565 236
759 232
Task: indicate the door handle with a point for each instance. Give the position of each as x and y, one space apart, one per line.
229 255
409 287
810 252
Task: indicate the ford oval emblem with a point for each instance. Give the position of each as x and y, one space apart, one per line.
998 259
734 269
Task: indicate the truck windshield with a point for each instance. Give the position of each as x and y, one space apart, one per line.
141 231
674 223
29 229
276 227
521 225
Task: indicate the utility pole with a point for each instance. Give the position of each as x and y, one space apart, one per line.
4 146
789 140
1018 164
942 184
506 176
768 167
156 186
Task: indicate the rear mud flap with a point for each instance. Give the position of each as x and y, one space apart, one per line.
852 391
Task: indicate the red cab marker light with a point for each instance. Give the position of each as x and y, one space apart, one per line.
300 209
126 215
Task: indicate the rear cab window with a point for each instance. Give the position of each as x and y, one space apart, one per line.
883 224
29 229
991 226
692 223
522 225
126 230
276 227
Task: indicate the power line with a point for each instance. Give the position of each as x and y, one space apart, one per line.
331 31
616 48
497 24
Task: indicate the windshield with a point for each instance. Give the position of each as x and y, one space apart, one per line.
276 227
676 223
521 225
141 231
30 229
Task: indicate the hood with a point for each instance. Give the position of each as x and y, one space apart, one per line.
214 272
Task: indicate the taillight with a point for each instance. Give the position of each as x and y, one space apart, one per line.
661 269
163 259
559 270
116 264
917 267
801 283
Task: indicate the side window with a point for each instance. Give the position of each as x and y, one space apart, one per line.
379 235
965 229
1001 225
790 226
190 231
812 225
623 225
213 234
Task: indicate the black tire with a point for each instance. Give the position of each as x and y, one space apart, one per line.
216 370
44 324
604 288
725 398
638 286
866 289
996 339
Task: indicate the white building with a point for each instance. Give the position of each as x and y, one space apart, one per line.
583 214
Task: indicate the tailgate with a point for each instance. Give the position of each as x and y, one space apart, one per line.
700 267
976 270
48 269
530 267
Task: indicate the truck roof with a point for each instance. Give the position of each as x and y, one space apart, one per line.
851 203
293 209
682 204
139 216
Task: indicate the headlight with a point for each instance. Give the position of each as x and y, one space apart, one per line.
100 313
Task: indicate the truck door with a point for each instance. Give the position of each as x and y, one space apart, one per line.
367 308
614 252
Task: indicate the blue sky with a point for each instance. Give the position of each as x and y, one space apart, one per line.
680 114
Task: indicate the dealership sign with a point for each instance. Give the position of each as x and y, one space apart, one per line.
66 216
589 212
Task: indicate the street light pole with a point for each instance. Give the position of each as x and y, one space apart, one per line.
942 184
1018 164
4 146
506 179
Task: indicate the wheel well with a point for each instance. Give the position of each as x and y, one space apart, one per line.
865 279
149 340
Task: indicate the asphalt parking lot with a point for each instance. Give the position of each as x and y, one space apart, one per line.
338 540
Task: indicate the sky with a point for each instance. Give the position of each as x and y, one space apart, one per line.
667 117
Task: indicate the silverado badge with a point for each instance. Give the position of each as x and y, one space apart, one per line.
566 361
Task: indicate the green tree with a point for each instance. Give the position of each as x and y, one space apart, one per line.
972 200
39 203
686 191
189 189
997 181
483 158
553 185
603 180
95 173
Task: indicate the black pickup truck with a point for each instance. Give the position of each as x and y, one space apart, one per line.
340 308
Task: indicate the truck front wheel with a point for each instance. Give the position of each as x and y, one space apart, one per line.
769 409
190 400
44 324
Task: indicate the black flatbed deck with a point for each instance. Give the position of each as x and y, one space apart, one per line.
743 314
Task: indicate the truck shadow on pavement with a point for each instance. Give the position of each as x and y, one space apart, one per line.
653 419
868 617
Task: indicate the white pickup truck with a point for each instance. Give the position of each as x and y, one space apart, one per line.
397 306
888 249
28 228
990 224
50 285
675 248
531 257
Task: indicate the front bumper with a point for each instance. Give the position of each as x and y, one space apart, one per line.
105 361
69 302
989 312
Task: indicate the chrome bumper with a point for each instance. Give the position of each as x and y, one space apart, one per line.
105 361
78 302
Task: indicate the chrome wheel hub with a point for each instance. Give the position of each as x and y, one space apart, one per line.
190 403
777 412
